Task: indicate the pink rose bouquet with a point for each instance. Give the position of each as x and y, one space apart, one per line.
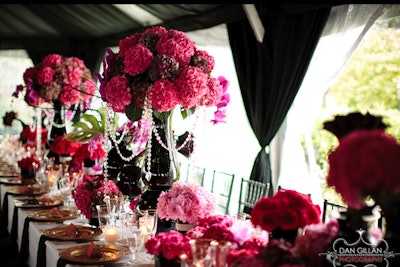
188 202
57 78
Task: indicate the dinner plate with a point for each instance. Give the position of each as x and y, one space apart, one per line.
82 233
102 253
26 191
16 181
53 215
38 202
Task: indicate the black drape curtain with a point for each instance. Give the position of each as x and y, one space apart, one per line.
270 73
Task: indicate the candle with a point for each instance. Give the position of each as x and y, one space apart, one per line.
110 234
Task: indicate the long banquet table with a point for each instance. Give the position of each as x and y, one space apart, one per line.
30 240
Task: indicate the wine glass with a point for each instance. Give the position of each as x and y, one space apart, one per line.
133 233
149 222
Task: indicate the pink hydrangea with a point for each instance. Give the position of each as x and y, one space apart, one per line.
167 63
187 202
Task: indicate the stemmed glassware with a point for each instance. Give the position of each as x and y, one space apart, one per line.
133 233
149 222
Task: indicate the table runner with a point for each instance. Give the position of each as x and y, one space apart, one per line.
41 253
25 240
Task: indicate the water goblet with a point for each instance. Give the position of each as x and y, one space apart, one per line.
149 222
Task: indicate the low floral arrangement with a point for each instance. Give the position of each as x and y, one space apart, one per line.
90 151
57 78
365 162
91 192
162 69
187 202
62 146
28 136
29 163
170 245
240 234
286 210
307 251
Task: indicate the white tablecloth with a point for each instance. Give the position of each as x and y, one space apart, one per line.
52 247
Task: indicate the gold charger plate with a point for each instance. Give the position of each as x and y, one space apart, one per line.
84 233
102 253
38 202
26 191
50 215
16 181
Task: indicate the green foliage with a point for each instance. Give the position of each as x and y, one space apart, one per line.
88 127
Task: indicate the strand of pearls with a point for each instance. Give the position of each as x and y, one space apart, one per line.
107 148
147 113
188 138
38 132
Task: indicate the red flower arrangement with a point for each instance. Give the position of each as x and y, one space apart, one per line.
365 163
62 146
65 79
28 136
164 67
29 163
170 245
287 210
187 202
91 191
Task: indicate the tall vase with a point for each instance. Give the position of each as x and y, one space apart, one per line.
164 169
390 206
57 129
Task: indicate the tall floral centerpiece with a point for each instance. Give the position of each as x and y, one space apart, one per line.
365 165
154 73
61 82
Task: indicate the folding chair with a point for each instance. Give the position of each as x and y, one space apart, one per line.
196 174
330 207
250 192
221 187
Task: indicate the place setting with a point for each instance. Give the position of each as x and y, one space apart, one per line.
38 202
72 232
93 253
53 215
27 190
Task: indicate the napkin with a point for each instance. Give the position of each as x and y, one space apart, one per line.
46 199
72 230
54 212
90 249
